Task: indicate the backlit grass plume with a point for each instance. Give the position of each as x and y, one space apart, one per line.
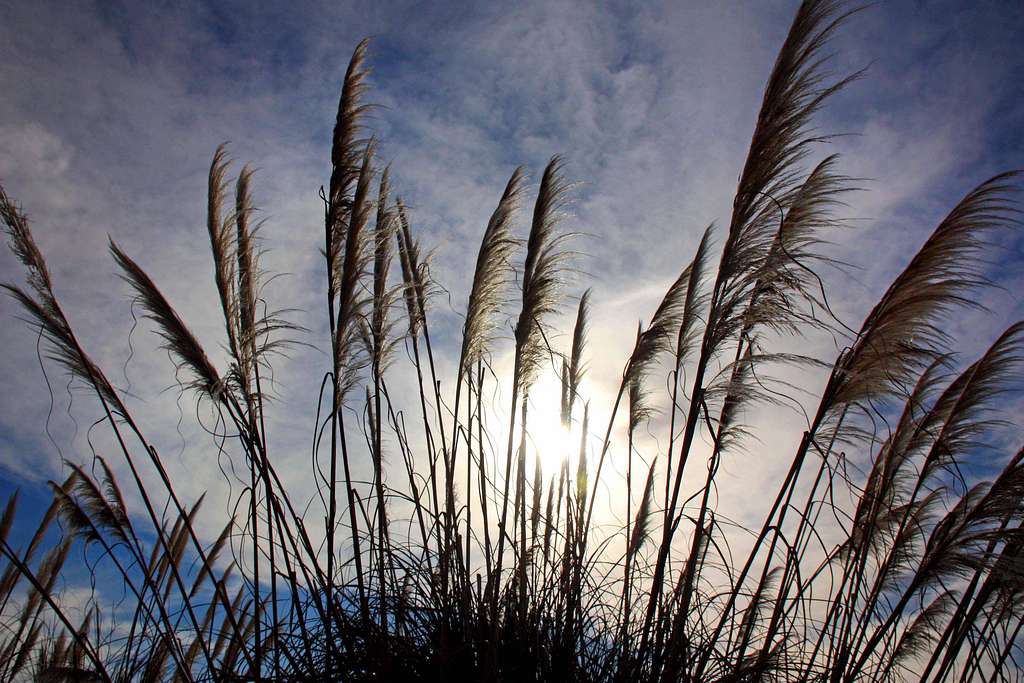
457 524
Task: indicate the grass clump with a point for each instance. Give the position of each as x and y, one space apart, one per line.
463 561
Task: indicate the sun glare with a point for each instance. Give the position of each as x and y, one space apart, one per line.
548 437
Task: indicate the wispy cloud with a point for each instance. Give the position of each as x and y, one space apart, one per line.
111 115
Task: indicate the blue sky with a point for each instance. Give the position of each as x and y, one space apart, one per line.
111 113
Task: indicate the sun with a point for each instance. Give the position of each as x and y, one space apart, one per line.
554 442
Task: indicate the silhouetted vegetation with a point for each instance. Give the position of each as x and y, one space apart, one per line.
462 559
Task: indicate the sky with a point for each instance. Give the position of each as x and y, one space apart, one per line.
112 111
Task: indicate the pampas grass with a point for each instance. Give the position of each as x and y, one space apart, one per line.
464 556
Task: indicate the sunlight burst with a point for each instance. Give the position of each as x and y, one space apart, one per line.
547 436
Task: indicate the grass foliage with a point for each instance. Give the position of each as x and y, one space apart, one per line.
459 559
